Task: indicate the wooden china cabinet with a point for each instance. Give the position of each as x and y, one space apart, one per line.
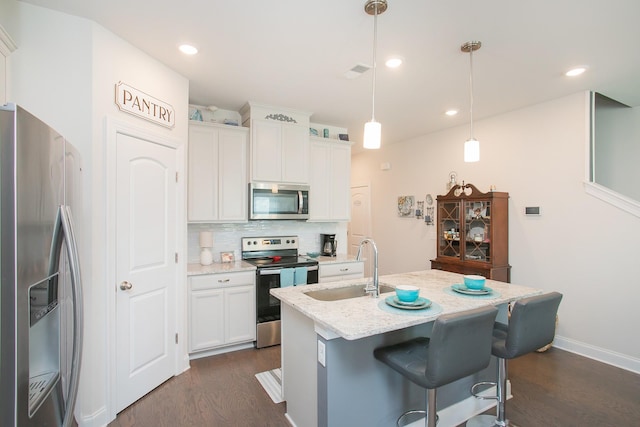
473 233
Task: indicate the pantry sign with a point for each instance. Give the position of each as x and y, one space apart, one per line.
133 101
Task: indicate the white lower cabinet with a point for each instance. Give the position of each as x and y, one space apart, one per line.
240 314
221 310
331 272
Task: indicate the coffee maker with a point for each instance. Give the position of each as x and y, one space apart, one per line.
328 244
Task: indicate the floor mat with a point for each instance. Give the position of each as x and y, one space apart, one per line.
271 382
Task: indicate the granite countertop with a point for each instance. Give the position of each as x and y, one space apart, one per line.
194 269
361 317
333 259
219 267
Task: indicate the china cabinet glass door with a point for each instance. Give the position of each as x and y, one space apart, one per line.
477 233
449 216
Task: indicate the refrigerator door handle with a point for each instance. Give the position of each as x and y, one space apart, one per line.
66 221
56 244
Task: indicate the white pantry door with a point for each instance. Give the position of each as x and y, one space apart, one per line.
360 225
145 266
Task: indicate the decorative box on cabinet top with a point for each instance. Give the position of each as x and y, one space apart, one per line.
254 110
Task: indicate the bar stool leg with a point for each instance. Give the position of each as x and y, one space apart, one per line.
431 408
431 415
502 393
500 419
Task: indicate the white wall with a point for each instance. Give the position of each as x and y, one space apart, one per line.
64 71
115 60
579 246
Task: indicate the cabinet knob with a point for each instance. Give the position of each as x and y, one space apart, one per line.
125 286
223 280
344 269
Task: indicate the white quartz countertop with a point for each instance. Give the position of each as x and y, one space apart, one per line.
361 317
219 267
333 259
195 269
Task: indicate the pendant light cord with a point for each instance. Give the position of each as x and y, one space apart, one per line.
375 43
471 91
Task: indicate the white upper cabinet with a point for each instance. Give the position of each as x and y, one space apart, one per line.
329 179
217 189
279 144
279 152
295 153
266 151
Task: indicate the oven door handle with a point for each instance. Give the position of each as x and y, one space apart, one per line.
266 272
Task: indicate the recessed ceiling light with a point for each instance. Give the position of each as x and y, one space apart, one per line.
451 112
188 49
394 62
575 72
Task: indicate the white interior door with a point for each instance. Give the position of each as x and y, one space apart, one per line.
360 225
145 266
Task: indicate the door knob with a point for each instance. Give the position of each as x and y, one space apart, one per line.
125 286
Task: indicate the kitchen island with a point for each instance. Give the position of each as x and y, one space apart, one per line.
329 374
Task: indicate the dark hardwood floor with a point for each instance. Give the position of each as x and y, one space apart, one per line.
217 391
558 388
555 388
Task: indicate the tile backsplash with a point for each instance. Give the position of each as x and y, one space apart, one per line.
227 237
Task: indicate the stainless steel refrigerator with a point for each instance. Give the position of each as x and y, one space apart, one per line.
41 291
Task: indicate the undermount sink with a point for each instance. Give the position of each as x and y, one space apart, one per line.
353 291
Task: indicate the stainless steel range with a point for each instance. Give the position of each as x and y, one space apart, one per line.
278 265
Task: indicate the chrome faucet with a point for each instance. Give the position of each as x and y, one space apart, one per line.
375 290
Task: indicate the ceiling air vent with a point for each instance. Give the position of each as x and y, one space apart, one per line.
357 71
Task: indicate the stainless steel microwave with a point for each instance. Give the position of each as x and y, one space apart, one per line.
278 201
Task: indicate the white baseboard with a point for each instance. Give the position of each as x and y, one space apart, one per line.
220 350
600 354
97 419
286 415
183 365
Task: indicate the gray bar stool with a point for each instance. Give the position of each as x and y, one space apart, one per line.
460 345
532 325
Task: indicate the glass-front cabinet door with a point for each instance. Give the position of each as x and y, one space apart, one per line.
449 220
477 225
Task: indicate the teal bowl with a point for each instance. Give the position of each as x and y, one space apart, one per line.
475 282
407 293
313 254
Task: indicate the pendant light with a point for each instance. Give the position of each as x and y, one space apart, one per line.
373 129
472 145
